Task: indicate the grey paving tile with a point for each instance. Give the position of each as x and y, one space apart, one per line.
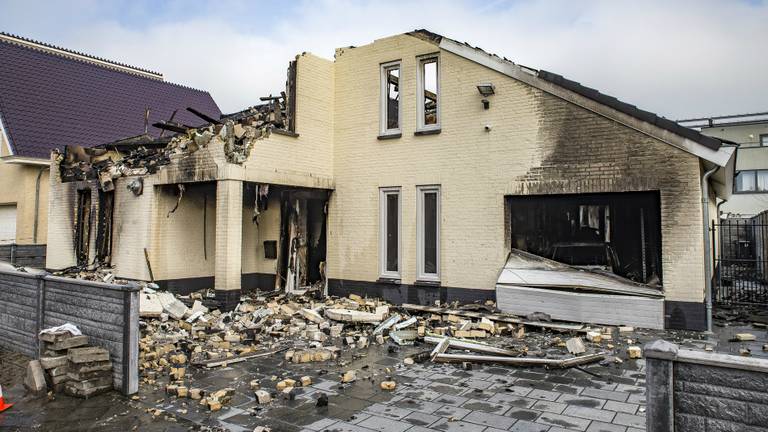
589 413
382 424
523 414
635 430
485 406
457 426
450 399
421 419
477 383
597 426
346 427
512 400
420 429
630 420
544 395
526 426
624 407
387 411
637 399
424 394
606 394
447 388
564 421
321 424
488 419
417 405
517 390
547 406
453 412
581 401
358 417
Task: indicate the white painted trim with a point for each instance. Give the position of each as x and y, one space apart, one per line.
421 275
383 193
420 126
23 160
73 55
384 105
719 157
4 138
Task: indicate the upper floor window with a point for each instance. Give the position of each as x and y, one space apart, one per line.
751 181
428 93
390 98
764 140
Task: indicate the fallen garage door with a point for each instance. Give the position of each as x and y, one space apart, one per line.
529 283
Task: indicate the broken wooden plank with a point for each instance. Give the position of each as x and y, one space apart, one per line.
469 345
219 362
510 319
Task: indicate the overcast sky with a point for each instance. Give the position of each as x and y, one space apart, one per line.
676 58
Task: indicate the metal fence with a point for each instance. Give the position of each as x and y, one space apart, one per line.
741 262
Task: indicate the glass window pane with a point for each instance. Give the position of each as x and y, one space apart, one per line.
764 140
430 232
393 98
745 181
429 80
392 234
762 180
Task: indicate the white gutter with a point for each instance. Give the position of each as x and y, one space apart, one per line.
718 157
24 160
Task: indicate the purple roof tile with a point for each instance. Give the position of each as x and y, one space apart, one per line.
48 101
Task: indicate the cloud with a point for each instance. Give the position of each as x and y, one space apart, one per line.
679 59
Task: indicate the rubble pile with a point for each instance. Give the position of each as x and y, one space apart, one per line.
144 154
70 365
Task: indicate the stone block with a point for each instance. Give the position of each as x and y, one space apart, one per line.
89 367
53 362
72 342
35 379
87 355
88 388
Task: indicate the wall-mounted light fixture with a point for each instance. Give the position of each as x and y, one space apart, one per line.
486 89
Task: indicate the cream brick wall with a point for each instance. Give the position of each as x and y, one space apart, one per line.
17 186
229 234
538 144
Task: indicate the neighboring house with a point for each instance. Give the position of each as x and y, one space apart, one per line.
750 185
414 168
51 97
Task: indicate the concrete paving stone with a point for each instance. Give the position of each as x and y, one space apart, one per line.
447 389
523 414
476 383
418 382
544 395
440 376
564 421
589 413
512 400
388 411
450 399
597 426
423 394
420 429
526 426
421 419
487 419
357 417
321 424
485 406
581 401
630 420
571 389
383 424
606 394
548 406
624 407
518 390
451 412
635 430
477 393
346 427
482 375
536 376
636 399
632 389
417 405
541 385
326 385
456 426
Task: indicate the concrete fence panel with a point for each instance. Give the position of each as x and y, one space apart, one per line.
24 255
700 391
108 314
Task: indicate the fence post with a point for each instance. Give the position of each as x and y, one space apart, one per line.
131 340
40 318
13 253
659 358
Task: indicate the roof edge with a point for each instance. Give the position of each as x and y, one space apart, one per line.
76 55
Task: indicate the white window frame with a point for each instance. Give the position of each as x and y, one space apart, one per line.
421 127
383 193
385 67
421 275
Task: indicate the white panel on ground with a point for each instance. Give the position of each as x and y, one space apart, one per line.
582 307
7 224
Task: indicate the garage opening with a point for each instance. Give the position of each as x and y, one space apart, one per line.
615 232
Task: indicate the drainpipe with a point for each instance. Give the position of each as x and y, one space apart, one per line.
37 203
707 246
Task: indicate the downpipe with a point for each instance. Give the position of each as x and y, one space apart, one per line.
37 204
707 245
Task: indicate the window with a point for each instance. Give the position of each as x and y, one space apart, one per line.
428 231
751 181
428 94
389 232
390 98
764 140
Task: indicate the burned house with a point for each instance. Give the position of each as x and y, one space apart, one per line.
417 169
